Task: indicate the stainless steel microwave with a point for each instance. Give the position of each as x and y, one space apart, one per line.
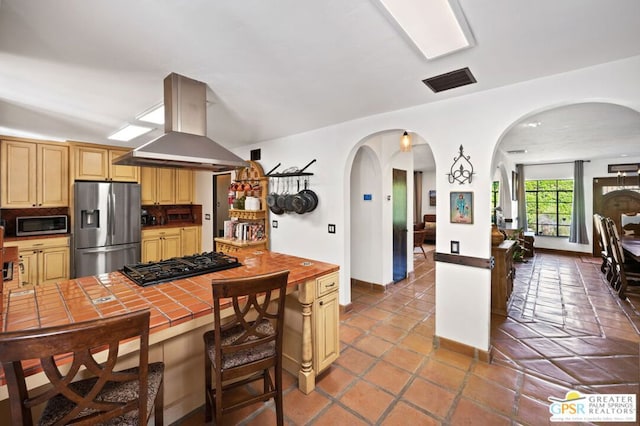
40 225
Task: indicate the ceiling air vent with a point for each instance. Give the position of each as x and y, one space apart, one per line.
450 80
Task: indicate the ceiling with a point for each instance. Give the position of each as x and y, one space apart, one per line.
79 70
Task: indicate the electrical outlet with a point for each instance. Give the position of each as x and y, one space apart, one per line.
332 228
274 223
207 216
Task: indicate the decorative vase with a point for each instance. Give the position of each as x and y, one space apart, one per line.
496 236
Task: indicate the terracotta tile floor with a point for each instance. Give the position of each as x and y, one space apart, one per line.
565 330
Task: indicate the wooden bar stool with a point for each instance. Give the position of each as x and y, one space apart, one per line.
110 397
243 349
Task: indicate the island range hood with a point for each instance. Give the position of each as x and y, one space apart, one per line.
184 144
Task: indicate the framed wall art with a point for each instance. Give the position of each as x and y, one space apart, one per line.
432 197
461 207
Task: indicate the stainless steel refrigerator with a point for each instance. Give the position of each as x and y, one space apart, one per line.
106 230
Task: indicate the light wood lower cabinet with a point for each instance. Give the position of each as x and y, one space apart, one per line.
159 245
165 243
43 261
190 237
315 304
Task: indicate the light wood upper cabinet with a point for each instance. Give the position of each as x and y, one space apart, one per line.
34 174
94 163
122 173
166 186
184 186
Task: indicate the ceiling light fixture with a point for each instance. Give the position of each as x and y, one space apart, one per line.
129 132
435 27
154 115
405 142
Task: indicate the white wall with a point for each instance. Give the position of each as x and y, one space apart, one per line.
366 217
476 121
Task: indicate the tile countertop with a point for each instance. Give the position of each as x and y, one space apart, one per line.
171 303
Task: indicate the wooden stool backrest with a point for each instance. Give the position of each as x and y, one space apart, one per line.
80 340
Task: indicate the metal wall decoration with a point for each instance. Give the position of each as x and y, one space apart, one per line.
461 169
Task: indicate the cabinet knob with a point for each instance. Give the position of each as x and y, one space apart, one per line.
321 302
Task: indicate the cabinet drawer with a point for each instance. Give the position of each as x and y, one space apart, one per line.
326 284
39 243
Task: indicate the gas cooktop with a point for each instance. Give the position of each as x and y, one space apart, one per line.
145 274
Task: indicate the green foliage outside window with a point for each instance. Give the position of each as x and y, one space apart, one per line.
549 204
495 199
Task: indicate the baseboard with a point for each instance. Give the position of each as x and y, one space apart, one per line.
367 285
563 252
345 309
461 348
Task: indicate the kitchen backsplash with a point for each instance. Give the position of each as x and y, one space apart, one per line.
178 214
9 216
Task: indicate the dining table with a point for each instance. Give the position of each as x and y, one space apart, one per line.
631 246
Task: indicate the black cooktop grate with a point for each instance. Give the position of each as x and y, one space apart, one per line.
145 274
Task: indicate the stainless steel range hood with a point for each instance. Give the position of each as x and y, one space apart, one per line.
184 144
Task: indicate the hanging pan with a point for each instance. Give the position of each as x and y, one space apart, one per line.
300 202
311 197
273 196
282 196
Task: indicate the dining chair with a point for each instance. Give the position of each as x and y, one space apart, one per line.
418 239
108 397
244 346
600 227
625 272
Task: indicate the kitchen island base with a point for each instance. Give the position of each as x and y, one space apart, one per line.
312 313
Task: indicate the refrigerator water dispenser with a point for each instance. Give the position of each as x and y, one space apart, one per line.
90 219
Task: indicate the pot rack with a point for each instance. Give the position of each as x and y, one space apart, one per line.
296 173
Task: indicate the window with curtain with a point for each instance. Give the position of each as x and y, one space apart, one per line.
549 204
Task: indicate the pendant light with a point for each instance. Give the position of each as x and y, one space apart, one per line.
405 142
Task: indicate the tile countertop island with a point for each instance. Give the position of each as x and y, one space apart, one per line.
181 311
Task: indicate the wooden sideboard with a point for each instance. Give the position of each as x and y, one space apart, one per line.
502 276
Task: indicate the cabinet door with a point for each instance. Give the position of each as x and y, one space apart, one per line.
184 186
171 246
151 249
29 267
53 175
148 184
190 240
166 186
91 163
121 173
327 320
54 265
19 174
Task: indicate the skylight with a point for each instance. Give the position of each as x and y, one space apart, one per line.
129 132
154 115
436 27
